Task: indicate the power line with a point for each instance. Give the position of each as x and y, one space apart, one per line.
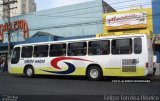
49 14
78 24
149 16
60 25
69 25
69 16
84 8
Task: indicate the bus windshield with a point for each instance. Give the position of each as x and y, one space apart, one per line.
15 55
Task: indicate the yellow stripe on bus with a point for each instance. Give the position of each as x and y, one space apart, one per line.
82 71
118 72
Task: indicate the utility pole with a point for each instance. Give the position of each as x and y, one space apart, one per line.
7 3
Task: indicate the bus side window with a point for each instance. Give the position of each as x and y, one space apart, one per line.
27 52
41 51
106 47
77 49
101 47
137 45
122 46
57 50
94 47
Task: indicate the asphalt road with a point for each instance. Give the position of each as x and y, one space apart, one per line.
56 85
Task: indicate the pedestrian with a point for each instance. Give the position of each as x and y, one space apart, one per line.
5 65
1 62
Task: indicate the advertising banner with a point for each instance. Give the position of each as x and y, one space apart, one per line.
126 21
21 25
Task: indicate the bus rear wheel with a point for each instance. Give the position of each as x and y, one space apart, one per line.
94 73
29 72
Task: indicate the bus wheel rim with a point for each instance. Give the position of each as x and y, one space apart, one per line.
29 72
94 73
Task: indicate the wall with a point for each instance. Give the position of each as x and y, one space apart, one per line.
156 24
156 16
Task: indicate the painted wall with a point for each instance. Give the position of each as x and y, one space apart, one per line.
156 16
156 24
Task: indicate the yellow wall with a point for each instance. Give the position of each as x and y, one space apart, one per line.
148 30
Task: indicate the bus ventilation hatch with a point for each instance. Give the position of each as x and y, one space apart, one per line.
129 65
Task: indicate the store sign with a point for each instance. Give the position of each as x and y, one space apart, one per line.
127 32
14 26
126 21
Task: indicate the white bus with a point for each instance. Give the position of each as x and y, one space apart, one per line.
127 55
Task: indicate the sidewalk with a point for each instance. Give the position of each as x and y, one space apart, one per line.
4 72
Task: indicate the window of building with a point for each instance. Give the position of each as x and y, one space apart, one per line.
27 52
41 51
137 45
101 47
122 46
77 49
57 50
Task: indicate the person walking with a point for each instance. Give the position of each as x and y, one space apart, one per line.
5 65
1 62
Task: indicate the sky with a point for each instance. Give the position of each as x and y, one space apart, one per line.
119 5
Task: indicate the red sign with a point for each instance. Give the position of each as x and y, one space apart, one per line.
14 26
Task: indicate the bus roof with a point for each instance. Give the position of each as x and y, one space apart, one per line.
84 39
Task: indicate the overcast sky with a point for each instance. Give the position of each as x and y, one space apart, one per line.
117 4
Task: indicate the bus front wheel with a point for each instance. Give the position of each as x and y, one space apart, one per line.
29 72
94 73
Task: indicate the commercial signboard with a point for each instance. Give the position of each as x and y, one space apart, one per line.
126 21
125 33
14 26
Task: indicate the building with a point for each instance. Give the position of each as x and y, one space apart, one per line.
156 16
156 27
18 8
83 19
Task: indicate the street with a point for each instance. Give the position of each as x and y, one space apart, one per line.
58 85
54 85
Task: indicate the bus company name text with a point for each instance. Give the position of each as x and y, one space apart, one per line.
34 61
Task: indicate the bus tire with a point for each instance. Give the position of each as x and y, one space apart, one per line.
29 71
94 73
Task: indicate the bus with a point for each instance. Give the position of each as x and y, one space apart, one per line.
122 56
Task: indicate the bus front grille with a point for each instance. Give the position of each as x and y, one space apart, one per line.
129 65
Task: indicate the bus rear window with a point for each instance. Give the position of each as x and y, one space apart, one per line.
137 45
